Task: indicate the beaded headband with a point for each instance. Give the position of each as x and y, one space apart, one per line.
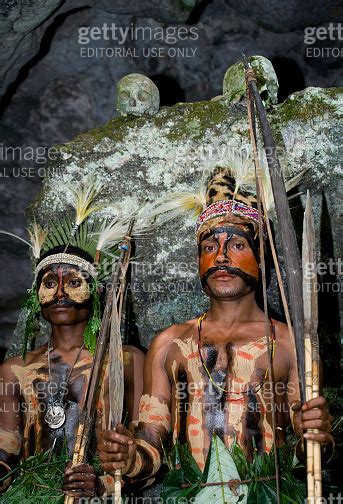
67 259
224 207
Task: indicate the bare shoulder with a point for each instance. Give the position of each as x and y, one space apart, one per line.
133 359
132 355
30 358
284 342
6 370
162 343
282 333
167 336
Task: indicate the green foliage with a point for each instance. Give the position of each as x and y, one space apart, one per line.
263 466
85 237
223 465
38 479
95 462
185 470
220 466
61 233
31 308
94 323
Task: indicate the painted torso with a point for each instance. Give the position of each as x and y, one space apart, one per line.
34 398
237 359
24 431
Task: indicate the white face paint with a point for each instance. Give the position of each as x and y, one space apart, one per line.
66 278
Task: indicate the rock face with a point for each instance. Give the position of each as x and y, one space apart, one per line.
273 16
23 26
52 93
140 159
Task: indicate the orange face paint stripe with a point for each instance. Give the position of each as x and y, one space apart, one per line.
193 355
196 450
194 432
245 355
195 414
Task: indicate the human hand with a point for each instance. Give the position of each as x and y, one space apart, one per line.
313 414
116 449
81 481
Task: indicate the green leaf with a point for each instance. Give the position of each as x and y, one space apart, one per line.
221 468
241 461
189 465
265 493
172 490
37 479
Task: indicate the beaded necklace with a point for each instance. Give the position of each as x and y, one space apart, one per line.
258 387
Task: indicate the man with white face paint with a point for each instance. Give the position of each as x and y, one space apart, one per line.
43 394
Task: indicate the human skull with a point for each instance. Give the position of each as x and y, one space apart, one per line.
266 81
137 95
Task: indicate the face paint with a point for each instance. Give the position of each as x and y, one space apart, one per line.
231 249
48 288
67 280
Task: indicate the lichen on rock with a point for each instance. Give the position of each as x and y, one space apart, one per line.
140 159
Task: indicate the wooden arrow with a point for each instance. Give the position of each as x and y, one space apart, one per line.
310 297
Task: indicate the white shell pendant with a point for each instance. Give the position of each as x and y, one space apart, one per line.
55 416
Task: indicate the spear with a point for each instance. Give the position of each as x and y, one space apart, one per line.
313 451
288 239
86 421
116 366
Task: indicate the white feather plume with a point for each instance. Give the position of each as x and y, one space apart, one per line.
111 234
241 167
37 237
82 198
173 205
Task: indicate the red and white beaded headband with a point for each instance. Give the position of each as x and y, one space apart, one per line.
224 207
65 258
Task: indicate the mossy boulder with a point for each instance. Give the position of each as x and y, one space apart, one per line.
140 159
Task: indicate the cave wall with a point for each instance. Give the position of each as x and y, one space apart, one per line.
50 93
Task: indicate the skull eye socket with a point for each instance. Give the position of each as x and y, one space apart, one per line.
143 96
264 95
124 95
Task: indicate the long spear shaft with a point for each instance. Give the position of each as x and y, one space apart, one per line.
87 414
116 366
313 450
288 239
260 202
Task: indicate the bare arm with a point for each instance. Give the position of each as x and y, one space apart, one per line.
313 414
133 380
140 457
10 421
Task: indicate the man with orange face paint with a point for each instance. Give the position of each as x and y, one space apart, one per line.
211 374
42 396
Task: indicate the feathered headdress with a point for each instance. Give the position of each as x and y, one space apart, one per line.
83 229
229 190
